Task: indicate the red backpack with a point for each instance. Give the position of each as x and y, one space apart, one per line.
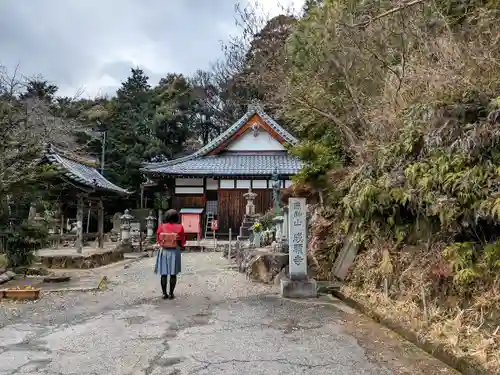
168 240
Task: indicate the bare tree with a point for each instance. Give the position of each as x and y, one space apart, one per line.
27 126
252 58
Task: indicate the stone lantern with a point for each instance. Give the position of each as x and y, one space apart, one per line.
249 218
150 224
250 206
125 226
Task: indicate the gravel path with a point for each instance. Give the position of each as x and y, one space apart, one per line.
220 323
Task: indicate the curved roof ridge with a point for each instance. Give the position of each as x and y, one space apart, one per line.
88 161
81 173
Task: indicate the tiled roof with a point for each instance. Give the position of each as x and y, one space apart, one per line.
81 173
233 129
233 165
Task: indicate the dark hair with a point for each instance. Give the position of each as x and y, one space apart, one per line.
172 216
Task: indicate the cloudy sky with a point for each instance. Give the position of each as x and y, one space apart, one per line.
92 44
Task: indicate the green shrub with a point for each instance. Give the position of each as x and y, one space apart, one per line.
266 220
23 241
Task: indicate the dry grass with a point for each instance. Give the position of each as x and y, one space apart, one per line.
427 305
444 68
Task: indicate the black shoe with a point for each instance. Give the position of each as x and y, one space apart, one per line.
166 296
171 296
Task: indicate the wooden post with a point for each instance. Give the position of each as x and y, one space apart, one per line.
100 223
79 225
229 245
63 223
88 218
424 302
142 196
60 216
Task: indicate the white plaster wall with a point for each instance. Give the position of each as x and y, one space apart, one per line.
189 190
259 184
212 184
262 142
242 184
189 182
227 184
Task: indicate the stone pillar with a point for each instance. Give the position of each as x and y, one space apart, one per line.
286 222
100 224
278 225
256 237
150 224
299 285
79 225
125 227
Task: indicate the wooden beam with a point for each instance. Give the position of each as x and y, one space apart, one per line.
100 223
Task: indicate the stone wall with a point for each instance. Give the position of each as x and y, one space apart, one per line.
84 261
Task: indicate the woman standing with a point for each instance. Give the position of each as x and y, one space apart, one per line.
170 238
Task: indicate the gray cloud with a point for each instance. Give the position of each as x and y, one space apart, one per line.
92 44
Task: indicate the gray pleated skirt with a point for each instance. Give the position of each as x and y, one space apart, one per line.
168 262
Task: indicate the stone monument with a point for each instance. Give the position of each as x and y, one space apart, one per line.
116 230
299 285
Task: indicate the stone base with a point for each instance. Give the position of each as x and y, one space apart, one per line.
298 288
81 261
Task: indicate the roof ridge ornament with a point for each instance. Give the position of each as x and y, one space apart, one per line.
255 126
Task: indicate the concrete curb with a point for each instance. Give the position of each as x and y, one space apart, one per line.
6 277
135 256
462 365
68 290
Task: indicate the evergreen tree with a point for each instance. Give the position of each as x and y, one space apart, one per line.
130 136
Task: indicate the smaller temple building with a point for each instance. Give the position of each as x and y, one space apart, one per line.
81 172
214 178
82 189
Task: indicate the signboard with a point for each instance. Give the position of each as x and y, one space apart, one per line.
297 238
214 226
